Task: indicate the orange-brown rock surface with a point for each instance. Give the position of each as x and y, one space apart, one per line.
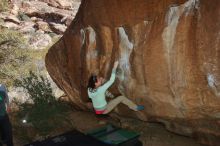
169 55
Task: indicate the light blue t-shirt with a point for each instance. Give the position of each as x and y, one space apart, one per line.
98 95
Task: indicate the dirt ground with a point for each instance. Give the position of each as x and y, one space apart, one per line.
152 134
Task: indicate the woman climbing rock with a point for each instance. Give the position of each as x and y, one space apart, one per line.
97 91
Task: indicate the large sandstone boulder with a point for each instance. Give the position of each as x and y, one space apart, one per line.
169 54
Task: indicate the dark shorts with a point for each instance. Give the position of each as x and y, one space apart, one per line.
6 130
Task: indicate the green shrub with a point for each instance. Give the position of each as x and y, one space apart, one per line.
44 111
3 5
38 88
11 37
14 56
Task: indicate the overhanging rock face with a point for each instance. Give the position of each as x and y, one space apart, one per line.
169 59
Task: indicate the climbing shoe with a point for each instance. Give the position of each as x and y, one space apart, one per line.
140 107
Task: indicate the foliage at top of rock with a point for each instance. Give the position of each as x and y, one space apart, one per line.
14 55
22 31
3 5
28 28
42 17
